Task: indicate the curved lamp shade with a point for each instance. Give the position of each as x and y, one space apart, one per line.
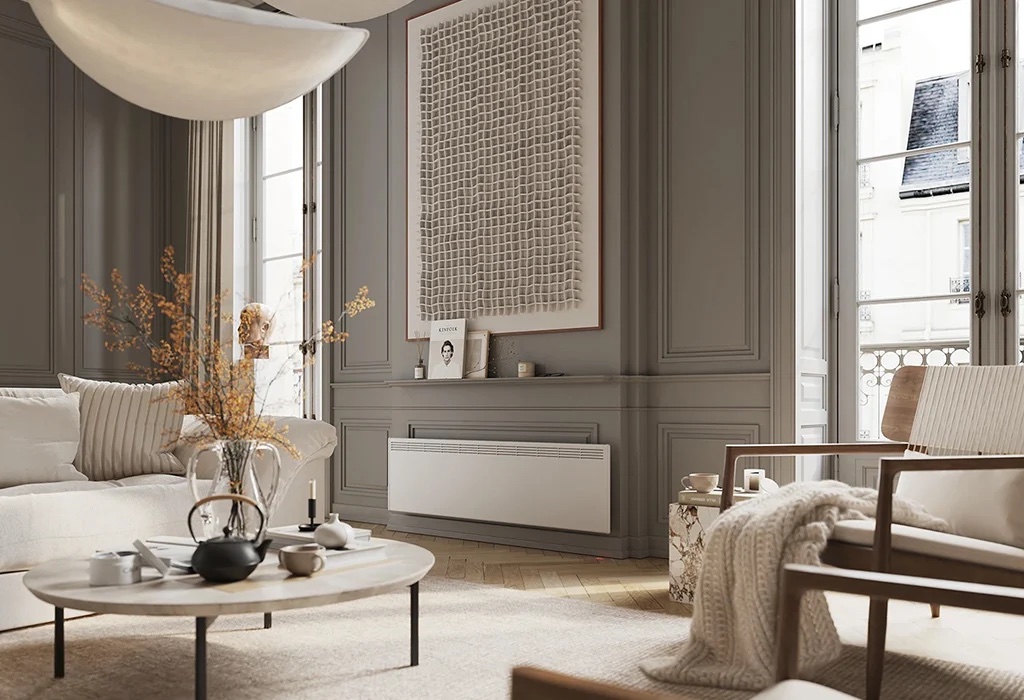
197 59
338 10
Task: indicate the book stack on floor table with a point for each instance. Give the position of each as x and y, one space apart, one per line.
361 550
687 520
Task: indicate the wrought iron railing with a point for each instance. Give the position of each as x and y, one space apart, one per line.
878 364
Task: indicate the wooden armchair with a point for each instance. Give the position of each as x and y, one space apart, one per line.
537 684
974 418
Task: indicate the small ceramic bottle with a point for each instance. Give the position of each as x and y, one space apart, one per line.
334 534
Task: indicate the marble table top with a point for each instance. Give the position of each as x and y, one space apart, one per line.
65 583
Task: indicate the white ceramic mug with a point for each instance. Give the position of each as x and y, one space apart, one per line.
701 482
303 559
114 568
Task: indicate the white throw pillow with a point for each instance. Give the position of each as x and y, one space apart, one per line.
38 440
985 505
127 429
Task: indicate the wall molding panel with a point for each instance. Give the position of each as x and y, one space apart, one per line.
683 364
97 195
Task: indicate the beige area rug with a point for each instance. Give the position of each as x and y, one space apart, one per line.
470 638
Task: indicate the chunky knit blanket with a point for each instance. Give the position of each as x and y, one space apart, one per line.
732 636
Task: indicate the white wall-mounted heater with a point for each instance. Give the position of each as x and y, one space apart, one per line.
563 486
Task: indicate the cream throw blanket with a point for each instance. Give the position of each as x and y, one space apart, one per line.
732 637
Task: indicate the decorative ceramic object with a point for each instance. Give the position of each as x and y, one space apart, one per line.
237 474
334 534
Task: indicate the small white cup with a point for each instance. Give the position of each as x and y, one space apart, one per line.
701 482
303 559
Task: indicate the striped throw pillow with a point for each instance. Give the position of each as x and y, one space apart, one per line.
126 429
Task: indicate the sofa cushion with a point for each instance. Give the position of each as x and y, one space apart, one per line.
38 439
39 527
127 429
57 487
313 439
937 544
980 504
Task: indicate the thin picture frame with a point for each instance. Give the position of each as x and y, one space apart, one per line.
478 345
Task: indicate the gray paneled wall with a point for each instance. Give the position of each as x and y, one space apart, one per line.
87 183
682 364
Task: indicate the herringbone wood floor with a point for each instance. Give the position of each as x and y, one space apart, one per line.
631 583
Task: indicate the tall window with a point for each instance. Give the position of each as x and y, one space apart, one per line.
936 278
286 233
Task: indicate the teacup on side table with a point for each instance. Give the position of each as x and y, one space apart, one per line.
65 584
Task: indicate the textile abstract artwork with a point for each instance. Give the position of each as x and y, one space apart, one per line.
501 164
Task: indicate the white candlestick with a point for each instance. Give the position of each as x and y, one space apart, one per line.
312 489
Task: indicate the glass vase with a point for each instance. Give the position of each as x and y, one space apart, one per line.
239 467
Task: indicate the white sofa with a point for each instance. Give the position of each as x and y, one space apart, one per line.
42 522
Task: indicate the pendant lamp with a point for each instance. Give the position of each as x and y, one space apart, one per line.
197 59
338 10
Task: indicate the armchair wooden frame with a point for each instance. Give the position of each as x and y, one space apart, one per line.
880 557
798 580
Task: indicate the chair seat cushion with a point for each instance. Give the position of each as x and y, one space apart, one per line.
800 690
936 544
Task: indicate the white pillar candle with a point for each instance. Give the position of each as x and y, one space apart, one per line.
312 489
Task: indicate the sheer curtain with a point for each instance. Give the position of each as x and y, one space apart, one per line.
205 239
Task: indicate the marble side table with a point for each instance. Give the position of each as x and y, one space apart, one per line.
686 525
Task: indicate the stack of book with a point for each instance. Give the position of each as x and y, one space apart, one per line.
290 534
689 497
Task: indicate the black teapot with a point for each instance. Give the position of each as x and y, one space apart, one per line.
229 558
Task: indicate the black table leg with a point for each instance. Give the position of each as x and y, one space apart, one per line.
58 642
201 658
414 592
268 620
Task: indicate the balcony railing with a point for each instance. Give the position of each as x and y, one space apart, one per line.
878 364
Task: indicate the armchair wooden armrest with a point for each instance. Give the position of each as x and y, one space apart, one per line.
733 453
798 579
890 467
530 683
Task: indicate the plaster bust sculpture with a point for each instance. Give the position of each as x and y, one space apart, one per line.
255 326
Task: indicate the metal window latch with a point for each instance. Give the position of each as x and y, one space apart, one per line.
1005 58
305 209
1004 302
979 63
312 348
303 347
979 304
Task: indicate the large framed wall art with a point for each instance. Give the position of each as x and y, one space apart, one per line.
504 166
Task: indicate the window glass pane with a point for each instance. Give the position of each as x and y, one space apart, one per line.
282 215
914 75
873 8
282 286
282 138
914 209
280 381
909 334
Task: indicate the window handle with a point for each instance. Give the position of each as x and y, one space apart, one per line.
979 304
1004 302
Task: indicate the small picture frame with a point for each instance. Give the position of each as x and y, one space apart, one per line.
477 349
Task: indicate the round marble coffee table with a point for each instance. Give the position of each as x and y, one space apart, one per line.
65 584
